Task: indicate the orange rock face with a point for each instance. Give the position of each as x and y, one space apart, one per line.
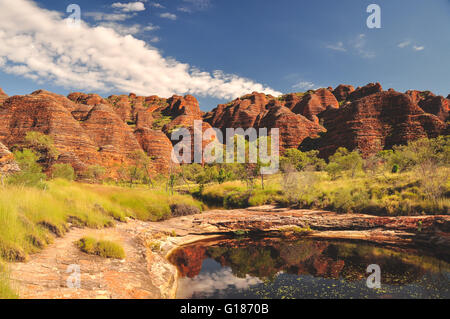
313 104
3 96
43 112
367 90
7 163
436 105
375 122
343 91
294 114
294 128
157 145
88 129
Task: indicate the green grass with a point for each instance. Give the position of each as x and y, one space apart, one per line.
236 195
30 218
6 291
383 194
102 248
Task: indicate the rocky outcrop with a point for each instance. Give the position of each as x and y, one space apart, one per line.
314 103
369 89
88 129
113 138
436 105
342 92
3 96
376 122
88 99
294 128
294 114
240 113
157 145
7 164
46 113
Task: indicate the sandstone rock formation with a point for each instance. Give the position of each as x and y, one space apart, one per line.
377 121
367 90
88 129
44 112
343 91
3 96
294 114
157 145
313 104
294 128
436 105
7 163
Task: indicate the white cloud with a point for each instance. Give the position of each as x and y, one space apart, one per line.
39 44
184 9
157 5
336 47
407 43
129 7
168 15
305 85
214 283
100 16
359 44
356 45
128 29
199 4
404 44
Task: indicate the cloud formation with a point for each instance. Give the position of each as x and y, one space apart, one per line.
129 7
209 284
356 45
407 43
41 45
168 15
305 85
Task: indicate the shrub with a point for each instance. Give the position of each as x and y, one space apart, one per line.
64 171
30 171
183 210
102 248
343 160
95 172
236 200
42 145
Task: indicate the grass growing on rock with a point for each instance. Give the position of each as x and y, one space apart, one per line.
6 291
102 248
30 218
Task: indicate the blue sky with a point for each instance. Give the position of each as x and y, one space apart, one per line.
277 46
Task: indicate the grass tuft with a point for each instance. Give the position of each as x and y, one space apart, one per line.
102 248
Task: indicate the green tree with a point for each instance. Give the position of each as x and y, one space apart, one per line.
343 160
42 145
140 170
96 172
301 160
64 171
30 171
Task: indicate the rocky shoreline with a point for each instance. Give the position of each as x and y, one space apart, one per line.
147 272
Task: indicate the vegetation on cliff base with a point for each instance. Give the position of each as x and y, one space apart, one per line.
408 180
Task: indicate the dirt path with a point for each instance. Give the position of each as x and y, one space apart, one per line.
45 275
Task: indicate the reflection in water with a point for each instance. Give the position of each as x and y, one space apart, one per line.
275 268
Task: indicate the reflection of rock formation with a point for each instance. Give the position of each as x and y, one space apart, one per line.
189 260
265 259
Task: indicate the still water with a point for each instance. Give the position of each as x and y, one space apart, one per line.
278 269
